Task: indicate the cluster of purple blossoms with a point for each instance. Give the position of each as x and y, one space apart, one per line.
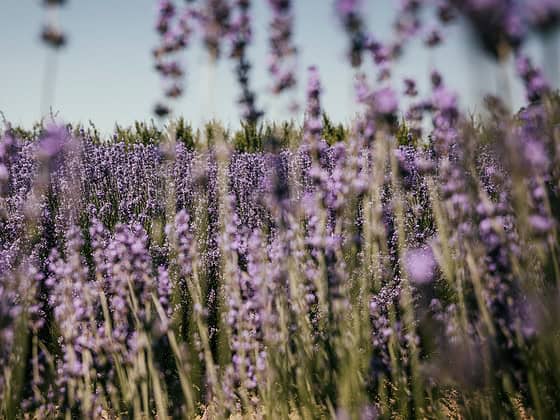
215 19
384 330
184 242
241 34
445 115
498 23
219 21
174 29
314 117
350 15
282 51
501 25
246 316
130 272
407 22
543 14
75 303
17 170
534 149
10 312
420 265
536 85
381 107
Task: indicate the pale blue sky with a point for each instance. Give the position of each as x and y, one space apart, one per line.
106 72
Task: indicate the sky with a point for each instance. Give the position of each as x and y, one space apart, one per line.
106 74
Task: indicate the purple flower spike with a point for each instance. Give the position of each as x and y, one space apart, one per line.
313 124
349 13
174 30
535 84
282 51
241 32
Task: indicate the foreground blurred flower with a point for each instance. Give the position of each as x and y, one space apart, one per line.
214 17
386 101
174 29
53 141
544 14
420 265
313 125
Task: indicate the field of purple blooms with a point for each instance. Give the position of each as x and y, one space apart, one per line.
405 265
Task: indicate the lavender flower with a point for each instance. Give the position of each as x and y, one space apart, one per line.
420 265
535 84
175 30
282 50
215 20
240 30
543 14
349 13
313 123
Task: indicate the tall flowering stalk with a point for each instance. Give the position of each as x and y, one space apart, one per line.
53 37
350 16
241 34
75 304
174 27
535 84
10 311
313 125
216 24
381 108
281 60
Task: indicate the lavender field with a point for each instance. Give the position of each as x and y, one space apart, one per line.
401 264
